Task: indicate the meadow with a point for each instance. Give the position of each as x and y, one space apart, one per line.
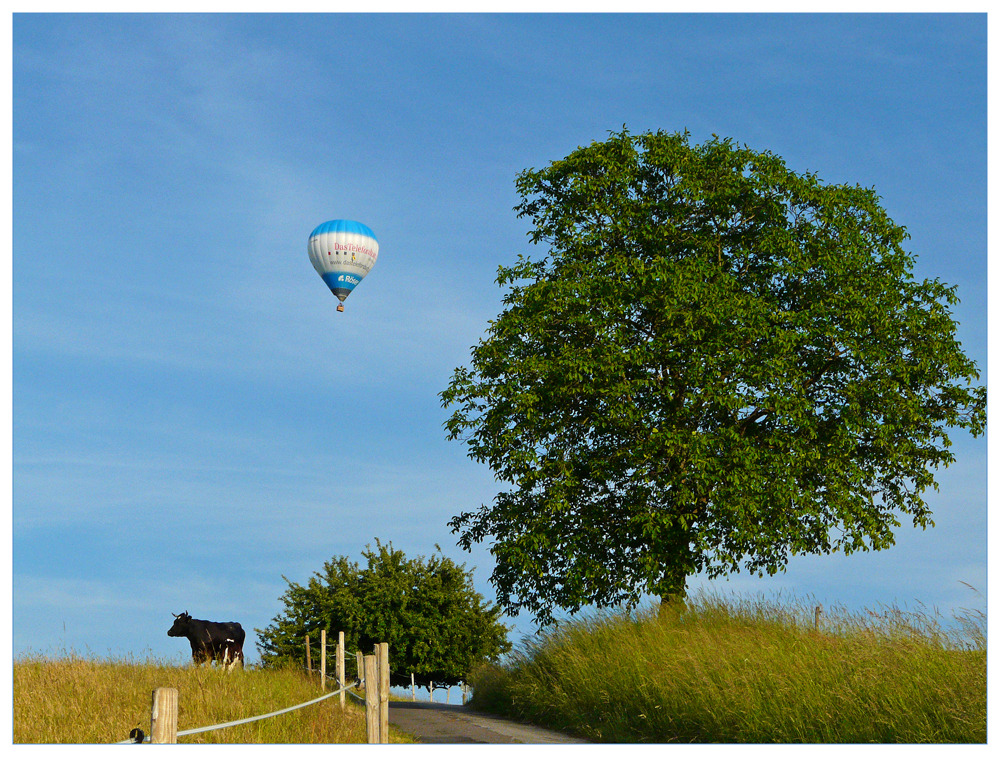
716 671
73 699
750 671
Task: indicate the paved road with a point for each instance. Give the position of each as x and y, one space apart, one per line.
433 723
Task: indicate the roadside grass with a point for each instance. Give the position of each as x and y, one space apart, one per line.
80 700
749 671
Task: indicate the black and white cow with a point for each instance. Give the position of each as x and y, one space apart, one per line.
211 641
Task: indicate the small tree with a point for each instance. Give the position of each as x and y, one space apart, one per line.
717 364
437 626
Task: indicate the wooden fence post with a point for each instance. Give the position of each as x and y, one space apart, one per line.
371 698
383 692
340 666
361 666
819 611
309 662
322 658
413 688
163 717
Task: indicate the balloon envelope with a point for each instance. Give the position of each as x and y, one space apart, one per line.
342 252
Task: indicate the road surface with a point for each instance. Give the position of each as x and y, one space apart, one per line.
433 723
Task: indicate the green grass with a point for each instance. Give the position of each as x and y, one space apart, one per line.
749 672
81 700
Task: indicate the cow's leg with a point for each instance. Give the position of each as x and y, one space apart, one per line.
195 653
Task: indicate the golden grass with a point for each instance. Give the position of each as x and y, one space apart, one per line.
750 672
78 700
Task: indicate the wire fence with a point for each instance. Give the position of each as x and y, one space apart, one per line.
375 701
142 738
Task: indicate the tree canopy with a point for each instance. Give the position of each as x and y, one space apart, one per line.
437 626
718 363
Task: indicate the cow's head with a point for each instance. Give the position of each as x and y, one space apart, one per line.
180 626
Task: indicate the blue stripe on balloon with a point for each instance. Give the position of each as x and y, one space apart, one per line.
341 225
341 280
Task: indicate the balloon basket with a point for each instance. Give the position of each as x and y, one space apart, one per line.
340 308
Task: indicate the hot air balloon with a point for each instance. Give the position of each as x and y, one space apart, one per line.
342 252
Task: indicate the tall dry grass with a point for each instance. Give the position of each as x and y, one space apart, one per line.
79 700
750 672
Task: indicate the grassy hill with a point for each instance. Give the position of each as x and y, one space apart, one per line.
736 672
78 700
750 672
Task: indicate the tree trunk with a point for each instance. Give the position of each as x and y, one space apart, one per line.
672 604
673 585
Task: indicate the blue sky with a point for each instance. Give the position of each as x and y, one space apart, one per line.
192 420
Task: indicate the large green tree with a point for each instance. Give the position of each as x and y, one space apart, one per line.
717 363
437 625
